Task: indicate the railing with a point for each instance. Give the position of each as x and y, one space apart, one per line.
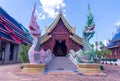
72 59
48 59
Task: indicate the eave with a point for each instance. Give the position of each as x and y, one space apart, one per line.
15 35
44 38
76 39
112 47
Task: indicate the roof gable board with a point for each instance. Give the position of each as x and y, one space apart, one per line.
56 21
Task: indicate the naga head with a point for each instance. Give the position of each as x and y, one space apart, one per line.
33 26
88 31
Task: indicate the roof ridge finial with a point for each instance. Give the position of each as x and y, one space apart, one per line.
60 10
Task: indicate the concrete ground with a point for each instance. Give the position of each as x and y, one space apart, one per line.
12 73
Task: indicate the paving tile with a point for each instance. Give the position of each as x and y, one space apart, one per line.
12 73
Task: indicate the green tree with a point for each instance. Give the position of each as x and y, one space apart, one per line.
96 45
103 52
24 53
101 44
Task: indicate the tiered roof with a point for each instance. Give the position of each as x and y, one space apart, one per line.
115 42
49 29
11 30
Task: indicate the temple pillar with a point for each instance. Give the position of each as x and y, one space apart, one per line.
0 44
18 52
15 53
119 53
0 52
7 52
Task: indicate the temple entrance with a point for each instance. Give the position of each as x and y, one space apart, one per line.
60 48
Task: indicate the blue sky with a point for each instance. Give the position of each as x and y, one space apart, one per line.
106 14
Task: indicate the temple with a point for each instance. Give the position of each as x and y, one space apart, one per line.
12 35
60 37
114 45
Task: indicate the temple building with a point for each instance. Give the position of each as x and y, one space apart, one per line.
60 37
114 45
12 35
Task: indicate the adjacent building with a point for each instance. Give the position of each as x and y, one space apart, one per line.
114 45
12 35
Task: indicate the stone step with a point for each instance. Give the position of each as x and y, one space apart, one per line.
61 64
62 72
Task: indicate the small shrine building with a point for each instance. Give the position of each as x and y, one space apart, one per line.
60 37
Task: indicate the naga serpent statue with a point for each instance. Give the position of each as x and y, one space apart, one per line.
87 54
35 34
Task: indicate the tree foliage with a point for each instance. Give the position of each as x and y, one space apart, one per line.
102 52
24 53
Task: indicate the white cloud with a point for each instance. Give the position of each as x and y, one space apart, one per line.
40 15
105 42
49 8
117 23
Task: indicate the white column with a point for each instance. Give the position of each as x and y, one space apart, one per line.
7 52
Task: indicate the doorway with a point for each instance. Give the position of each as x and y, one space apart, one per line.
60 48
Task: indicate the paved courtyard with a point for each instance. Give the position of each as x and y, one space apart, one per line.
12 73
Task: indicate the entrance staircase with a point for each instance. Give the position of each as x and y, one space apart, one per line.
61 64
